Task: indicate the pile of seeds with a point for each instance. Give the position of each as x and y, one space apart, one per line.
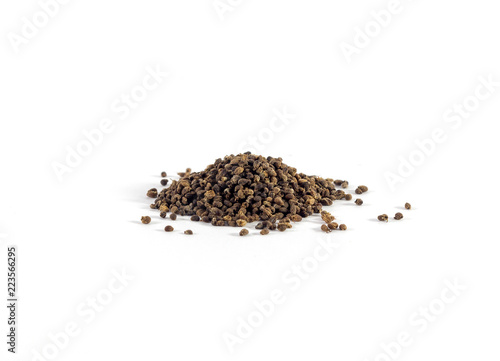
245 188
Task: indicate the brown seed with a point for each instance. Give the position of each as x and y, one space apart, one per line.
169 229
195 218
295 218
338 182
358 201
146 219
407 205
398 216
164 182
163 214
163 174
205 219
363 188
188 231
264 231
348 197
163 208
152 193
383 218
345 184
173 216
244 232
333 225
282 227
358 191
342 227
241 222
325 228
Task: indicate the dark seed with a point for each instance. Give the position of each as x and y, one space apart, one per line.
342 227
264 231
358 201
333 225
363 188
383 218
188 231
169 229
345 184
348 197
164 182
163 174
398 216
407 205
163 214
195 218
146 219
282 227
244 232
152 193
173 216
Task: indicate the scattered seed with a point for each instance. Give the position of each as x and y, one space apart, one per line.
164 182
333 225
163 174
146 219
264 231
383 218
244 232
348 197
363 188
152 193
345 184
282 227
195 218
325 228
163 214
169 229
407 205
173 216
342 227
358 201
398 216
188 231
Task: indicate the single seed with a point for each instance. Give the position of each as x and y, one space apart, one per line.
173 216
383 218
188 231
407 205
146 219
348 197
163 208
195 218
342 227
169 229
163 214
398 216
363 188
282 227
345 184
244 232
163 174
264 231
333 225
358 191
152 193
241 222
325 228
164 182
358 201
338 182
295 218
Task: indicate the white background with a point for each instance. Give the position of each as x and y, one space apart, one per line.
353 120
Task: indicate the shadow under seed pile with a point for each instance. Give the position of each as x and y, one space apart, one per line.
246 188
